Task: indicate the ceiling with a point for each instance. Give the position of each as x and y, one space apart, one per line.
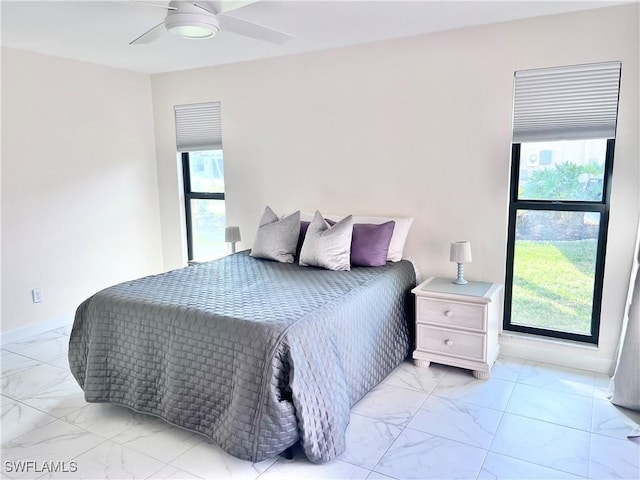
100 31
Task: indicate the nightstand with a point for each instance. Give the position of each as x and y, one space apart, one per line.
457 325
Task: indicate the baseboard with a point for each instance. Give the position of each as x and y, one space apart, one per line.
556 352
22 333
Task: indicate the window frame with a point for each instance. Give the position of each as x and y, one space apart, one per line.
191 195
602 207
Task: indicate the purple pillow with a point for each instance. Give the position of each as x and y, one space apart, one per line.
370 244
304 225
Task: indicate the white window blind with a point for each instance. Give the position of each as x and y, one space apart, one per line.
566 103
198 127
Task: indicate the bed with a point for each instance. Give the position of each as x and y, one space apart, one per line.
254 354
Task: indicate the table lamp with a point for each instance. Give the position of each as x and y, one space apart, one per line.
232 235
461 254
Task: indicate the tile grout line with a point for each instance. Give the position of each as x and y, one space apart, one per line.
406 426
501 420
493 437
82 453
32 393
152 476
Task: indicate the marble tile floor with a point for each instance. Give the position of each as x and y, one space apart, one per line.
528 421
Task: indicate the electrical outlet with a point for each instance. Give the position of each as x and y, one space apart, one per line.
36 293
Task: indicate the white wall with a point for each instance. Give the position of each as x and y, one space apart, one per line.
417 127
80 204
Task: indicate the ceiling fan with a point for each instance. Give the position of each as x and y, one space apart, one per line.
203 19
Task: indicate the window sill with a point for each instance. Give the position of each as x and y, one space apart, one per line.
549 340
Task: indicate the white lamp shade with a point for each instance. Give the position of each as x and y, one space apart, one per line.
460 252
232 234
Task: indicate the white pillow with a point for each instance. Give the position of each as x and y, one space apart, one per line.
327 247
398 239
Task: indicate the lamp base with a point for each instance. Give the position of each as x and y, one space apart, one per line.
460 280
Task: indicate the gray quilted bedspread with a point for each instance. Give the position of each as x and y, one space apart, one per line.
254 354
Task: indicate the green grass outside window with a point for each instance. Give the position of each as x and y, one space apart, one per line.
553 284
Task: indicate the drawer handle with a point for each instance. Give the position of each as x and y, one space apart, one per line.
448 313
448 342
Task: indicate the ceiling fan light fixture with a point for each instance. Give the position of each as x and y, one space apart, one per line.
192 31
190 25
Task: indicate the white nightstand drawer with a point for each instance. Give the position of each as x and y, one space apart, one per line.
451 342
459 315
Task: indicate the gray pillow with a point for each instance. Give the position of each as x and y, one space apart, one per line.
276 239
327 247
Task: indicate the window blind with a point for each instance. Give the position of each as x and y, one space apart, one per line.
198 127
566 103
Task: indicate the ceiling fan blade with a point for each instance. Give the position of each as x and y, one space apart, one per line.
207 8
222 6
253 30
150 35
146 4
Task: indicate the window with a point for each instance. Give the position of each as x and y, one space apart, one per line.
203 174
561 165
199 139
